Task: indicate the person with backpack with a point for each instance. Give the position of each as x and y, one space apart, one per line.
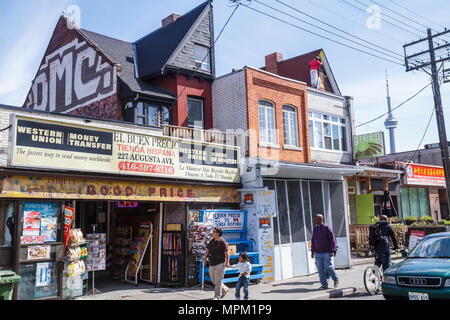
323 248
379 234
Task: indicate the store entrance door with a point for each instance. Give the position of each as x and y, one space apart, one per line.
41 252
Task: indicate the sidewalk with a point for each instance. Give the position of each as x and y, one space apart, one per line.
300 288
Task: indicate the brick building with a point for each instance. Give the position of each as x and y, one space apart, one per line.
289 180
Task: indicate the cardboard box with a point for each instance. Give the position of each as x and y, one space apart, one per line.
232 250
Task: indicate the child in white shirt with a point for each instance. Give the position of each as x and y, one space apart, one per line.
245 268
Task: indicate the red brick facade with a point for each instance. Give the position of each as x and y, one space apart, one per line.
263 86
192 88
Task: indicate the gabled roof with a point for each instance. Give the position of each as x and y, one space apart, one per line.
155 49
121 52
298 68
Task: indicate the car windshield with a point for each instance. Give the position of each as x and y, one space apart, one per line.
432 248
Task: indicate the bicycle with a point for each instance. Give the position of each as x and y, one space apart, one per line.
373 275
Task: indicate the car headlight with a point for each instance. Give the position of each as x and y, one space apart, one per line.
447 283
389 279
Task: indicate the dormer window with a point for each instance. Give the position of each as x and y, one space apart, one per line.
202 58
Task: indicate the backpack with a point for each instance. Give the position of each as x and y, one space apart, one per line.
374 234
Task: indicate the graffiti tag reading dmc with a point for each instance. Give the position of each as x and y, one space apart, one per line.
71 77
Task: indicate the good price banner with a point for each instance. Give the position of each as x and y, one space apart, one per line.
40 143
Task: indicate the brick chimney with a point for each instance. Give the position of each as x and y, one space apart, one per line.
272 62
170 19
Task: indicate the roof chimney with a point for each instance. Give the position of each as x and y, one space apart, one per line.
170 19
272 62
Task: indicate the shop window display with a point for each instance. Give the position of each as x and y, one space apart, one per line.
41 239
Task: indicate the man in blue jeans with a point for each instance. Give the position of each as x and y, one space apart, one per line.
323 247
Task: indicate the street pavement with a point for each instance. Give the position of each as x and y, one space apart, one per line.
300 288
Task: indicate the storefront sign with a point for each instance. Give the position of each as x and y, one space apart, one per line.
227 220
39 143
424 175
127 204
369 145
264 223
84 189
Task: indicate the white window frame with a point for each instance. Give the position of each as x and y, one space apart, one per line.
205 62
267 107
331 120
290 133
203 114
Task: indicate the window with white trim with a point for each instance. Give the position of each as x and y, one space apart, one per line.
267 128
327 132
196 117
202 58
290 126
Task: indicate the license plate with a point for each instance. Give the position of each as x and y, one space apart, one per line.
418 296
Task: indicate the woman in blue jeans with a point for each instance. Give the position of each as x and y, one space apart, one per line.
323 247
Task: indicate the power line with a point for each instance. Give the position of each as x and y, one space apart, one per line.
407 18
407 9
354 22
423 137
384 14
319 35
343 31
396 106
198 68
350 4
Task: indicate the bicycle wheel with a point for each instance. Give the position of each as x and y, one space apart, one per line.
372 280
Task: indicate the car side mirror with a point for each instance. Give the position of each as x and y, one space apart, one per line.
405 253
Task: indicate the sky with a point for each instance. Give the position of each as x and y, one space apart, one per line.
26 27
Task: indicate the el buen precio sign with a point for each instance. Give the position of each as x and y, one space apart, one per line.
39 143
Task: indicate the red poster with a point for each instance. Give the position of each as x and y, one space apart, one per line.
68 216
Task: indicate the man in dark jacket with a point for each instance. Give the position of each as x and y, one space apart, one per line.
323 248
382 252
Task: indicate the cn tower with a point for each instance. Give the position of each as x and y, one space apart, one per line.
390 123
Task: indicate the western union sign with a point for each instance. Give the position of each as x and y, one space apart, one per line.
46 144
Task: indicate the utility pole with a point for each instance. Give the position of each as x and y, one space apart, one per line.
420 61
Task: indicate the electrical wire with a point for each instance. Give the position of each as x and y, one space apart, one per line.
354 22
350 4
198 68
407 100
343 31
426 129
409 10
384 14
319 35
423 137
4 129
407 18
